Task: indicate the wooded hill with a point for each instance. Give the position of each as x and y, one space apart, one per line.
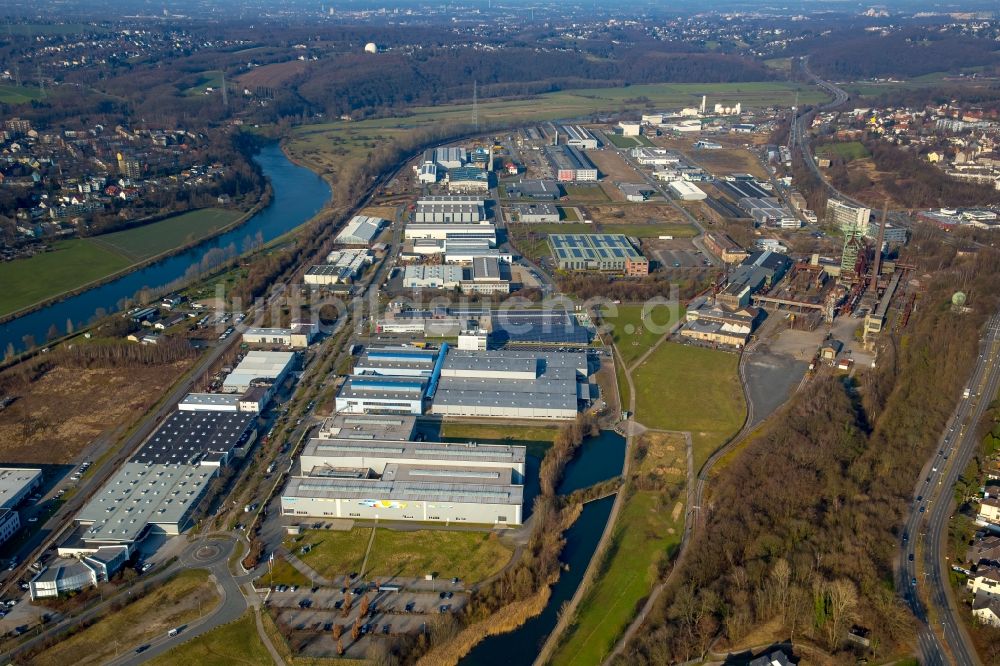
804 521
855 54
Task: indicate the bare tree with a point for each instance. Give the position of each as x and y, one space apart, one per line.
843 602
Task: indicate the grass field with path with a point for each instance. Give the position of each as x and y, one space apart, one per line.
619 141
586 193
631 330
568 214
470 556
208 79
233 643
559 227
76 262
174 603
644 533
282 573
649 230
681 387
648 531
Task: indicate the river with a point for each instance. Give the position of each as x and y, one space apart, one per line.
599 458
298 194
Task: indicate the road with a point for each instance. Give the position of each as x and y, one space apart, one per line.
799 139
209 553
213 555
925 534
63 518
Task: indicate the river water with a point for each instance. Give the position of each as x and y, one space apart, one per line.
298 194
598 458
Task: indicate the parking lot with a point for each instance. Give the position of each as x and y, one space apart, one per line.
389 613
676 253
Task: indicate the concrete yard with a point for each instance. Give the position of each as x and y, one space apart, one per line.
677 253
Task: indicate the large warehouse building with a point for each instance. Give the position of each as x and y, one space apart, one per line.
396 362
449 212
360 230
447 231
432 276
259 366
298 335
512 384
369 467
378 394
141 497
570 164
601 252
198 437
458 382
579 137
15 485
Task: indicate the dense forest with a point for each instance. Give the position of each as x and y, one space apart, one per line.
852 54
803 522
359 82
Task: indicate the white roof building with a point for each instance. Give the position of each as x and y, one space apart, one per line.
258 366
686 191
16 483
140 496
432 277
360 230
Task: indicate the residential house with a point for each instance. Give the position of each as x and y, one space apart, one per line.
989 512
985 549
986 580
986 609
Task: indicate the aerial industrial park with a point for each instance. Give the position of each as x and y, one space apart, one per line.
408 335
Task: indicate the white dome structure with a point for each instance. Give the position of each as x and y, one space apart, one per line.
371 47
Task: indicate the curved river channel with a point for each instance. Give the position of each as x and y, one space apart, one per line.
599 458
298 194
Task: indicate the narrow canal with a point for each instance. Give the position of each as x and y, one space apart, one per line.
598 459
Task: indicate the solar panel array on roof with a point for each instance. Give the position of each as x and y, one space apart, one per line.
189 436
592 251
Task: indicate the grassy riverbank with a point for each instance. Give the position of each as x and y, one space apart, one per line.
74 263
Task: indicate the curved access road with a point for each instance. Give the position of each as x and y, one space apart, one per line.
925 532
213 555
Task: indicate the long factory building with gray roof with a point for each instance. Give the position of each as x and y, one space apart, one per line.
523 384
512 384
360 467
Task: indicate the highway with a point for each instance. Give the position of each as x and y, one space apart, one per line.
925 534
799 139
